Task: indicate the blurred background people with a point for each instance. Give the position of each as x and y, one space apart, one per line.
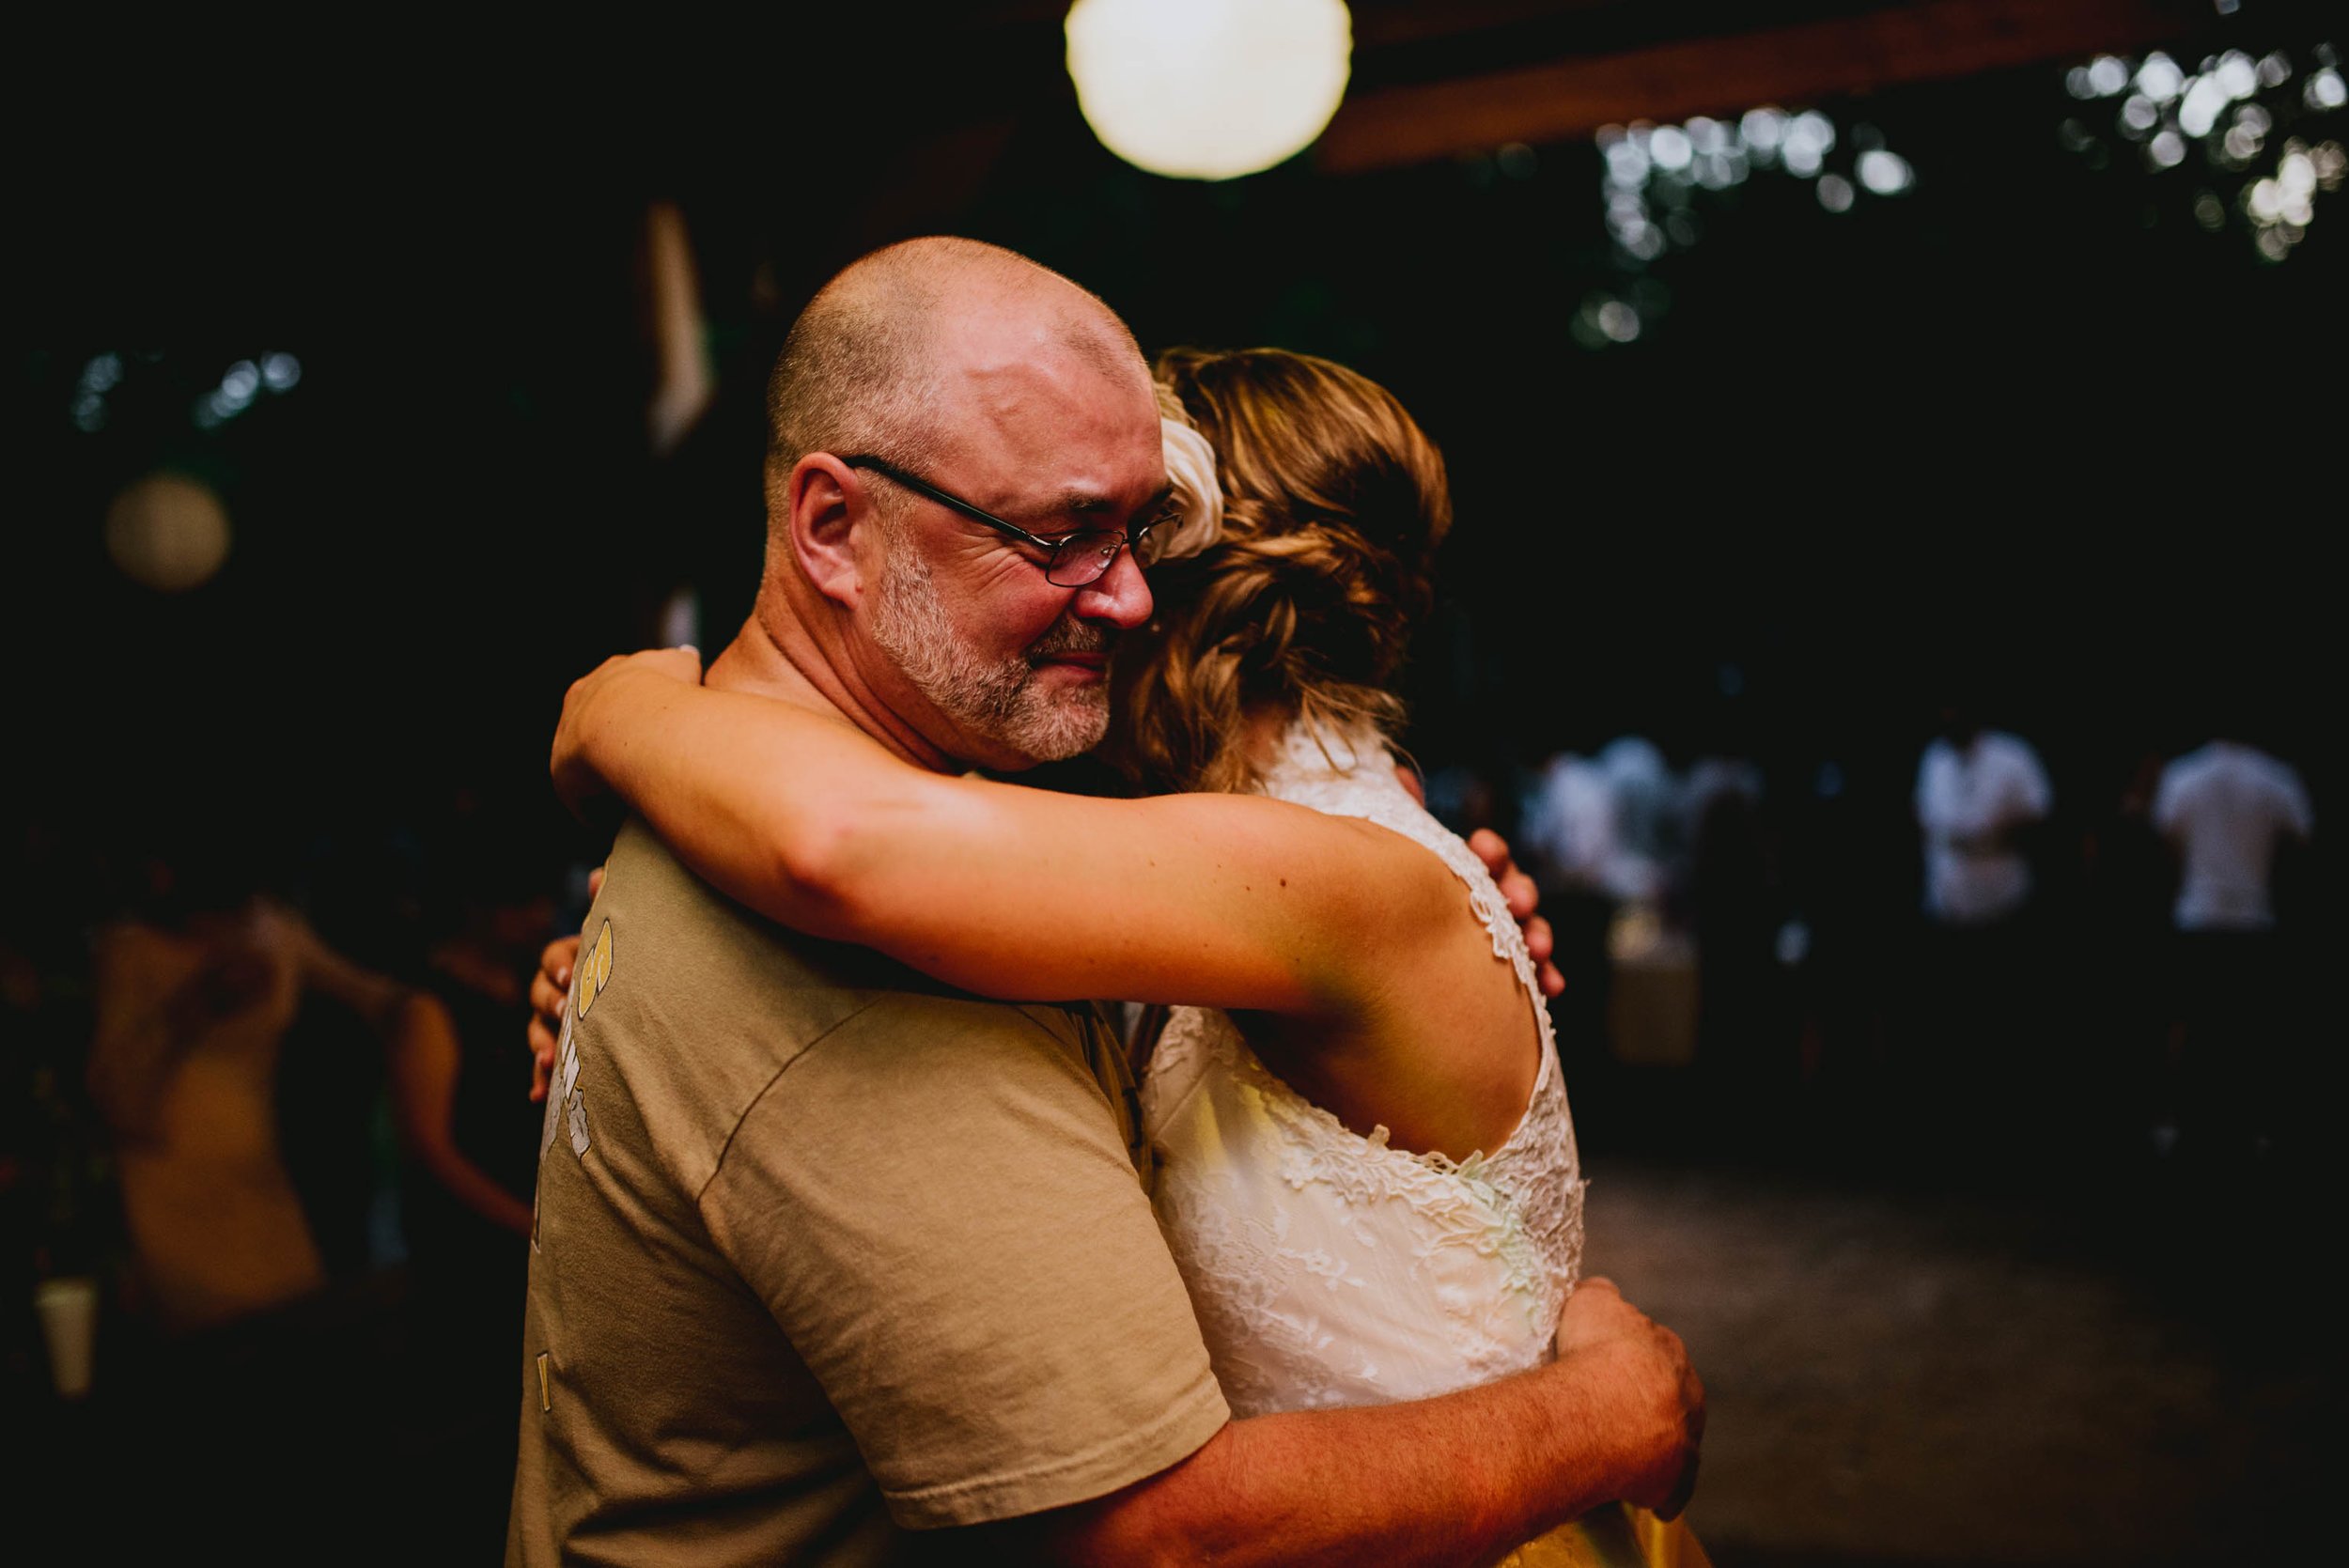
206 988
1977 793
457 1091
1744 940
1594 828
2228 810
193 1016
1984 1038
1605 824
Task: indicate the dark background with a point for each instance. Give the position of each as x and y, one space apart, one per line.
2029 429
2028 419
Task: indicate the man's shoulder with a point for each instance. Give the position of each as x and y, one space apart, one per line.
695 936
935 1017
691 1005
689 1013
681 959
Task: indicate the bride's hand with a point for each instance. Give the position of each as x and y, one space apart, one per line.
549 994
550 999
1516 888
579 779
1523 898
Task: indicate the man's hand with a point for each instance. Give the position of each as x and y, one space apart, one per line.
1657 1398
1523 897
576 779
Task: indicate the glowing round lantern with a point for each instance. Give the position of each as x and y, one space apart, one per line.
1209 90
168 532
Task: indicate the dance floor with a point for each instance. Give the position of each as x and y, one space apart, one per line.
2118 1368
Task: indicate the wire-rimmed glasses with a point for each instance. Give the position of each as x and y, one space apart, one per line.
1073 559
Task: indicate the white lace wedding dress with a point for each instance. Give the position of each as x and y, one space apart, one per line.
1328 1268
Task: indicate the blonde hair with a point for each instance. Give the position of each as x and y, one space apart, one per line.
1334 502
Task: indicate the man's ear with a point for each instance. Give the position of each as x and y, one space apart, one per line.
828 519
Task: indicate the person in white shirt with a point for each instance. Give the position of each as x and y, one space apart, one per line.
1597 823
1976 790
2227 809
1982 1020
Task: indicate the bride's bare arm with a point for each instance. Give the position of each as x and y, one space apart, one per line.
1231 901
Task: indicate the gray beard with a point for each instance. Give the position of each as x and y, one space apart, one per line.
999 699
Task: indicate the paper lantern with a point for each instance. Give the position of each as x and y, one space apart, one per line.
168 531
1209 90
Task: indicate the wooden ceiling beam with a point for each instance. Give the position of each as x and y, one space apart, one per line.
1568 99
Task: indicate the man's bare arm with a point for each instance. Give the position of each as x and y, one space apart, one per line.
1458 1480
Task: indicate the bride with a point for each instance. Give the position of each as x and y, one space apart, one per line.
1369 1177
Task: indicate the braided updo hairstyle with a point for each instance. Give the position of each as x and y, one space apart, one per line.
1334 502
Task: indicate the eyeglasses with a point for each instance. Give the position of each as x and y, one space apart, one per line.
1076 559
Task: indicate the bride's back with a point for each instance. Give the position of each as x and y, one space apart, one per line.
1385 1205
1290 614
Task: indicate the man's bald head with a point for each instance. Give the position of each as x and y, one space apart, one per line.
1002 383
868 364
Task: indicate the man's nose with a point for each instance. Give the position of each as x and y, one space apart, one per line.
1121 596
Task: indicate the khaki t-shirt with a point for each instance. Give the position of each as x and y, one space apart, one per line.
822 1246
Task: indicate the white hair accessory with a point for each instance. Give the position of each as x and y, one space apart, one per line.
1190 469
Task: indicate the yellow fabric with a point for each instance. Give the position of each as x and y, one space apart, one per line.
1616 1536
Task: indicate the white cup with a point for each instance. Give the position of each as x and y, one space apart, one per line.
68 1322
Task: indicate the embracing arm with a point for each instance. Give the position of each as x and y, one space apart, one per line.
550 988
1458 1479
1231 901
1057 1400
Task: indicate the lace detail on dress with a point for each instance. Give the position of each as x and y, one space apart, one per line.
1328 1268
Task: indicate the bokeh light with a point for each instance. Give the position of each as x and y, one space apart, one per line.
1887 173
167 531
2230 106
1653 170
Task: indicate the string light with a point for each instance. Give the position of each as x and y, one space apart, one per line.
2230 107
1652 172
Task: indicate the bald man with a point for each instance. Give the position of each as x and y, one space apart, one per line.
831 1263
